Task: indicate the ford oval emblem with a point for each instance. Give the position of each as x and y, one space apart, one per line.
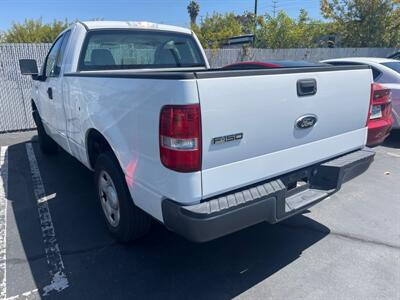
306 121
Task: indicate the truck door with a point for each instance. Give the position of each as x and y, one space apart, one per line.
51 91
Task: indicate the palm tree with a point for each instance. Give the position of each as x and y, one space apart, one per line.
193 9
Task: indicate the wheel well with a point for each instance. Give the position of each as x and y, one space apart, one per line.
96 145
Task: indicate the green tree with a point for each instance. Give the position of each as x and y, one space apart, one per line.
363 23
308 32
283 31
215 30
276 32
34 31
392 34
193 9
247 21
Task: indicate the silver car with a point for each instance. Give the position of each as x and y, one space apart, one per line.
385 71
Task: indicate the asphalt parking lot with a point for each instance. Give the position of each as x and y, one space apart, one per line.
346 247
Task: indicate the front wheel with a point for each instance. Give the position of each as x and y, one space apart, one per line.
125 221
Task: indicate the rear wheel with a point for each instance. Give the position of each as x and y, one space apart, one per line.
125 221
47 145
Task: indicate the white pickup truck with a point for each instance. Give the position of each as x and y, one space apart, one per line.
205 151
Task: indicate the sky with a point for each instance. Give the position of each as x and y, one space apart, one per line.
171 12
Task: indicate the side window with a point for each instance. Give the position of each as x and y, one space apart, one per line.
50 67
376 74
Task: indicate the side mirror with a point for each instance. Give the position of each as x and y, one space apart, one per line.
29 67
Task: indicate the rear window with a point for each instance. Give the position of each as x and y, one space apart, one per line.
393 65
135 49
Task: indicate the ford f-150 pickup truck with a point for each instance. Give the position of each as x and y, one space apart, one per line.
205 151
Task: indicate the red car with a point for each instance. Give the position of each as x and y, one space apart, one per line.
380 120
272 64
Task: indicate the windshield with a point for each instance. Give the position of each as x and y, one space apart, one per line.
134 49
393 65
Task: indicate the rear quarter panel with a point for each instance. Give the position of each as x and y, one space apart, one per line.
395 88
396 108
126 112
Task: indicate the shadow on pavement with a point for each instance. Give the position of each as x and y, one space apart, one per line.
393 141
161 265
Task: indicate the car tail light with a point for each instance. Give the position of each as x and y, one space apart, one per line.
180 137
380 96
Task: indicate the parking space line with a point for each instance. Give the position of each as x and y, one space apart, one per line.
59 280
393 154
34 294
3 221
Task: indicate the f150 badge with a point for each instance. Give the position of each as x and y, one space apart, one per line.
306 121
227 138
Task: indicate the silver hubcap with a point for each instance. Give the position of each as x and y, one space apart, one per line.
109 198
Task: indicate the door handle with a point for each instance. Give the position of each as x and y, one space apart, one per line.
50 93
306 87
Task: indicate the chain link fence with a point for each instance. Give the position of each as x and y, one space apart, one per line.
222 57
15 89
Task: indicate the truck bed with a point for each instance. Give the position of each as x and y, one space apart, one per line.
262 105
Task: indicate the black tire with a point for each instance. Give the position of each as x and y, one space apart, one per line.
133 222
47 145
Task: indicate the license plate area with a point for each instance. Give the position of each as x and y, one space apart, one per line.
297 182
376 112
300 192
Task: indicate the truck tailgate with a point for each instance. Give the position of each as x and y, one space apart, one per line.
251 122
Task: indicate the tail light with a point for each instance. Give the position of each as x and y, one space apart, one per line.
380 94
180 137
380 97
